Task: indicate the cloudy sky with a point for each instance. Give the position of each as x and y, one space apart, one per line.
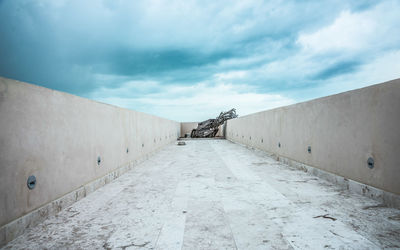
188 60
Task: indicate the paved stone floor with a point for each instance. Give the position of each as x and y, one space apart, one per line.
213 194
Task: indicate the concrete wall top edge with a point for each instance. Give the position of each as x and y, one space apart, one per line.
32 85
323 98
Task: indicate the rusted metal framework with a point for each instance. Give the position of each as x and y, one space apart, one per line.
209 128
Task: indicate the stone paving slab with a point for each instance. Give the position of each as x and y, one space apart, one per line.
214 194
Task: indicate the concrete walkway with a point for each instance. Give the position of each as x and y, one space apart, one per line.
213 194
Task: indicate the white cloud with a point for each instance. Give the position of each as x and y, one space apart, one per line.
350 31
376 28
383 68
195 103
234 74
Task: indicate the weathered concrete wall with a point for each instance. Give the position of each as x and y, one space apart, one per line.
57 137
187 127
220 131
343 130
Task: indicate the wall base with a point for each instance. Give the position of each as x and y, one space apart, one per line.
17 227
387 198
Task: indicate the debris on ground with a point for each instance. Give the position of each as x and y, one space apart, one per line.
325 216
181 143
209 128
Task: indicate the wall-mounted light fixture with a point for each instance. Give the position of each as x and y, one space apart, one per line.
371 162
31 182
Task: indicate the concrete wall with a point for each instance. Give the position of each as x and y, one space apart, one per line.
343 130
187 127
57 137
220 131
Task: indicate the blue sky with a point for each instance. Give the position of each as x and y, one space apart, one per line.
188 60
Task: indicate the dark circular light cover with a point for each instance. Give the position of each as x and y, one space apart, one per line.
371 162
31 182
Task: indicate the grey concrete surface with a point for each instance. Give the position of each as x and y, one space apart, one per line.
384 197
214 194
17 227
343 131
58 137
187 127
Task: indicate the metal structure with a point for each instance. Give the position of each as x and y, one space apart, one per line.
209 128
